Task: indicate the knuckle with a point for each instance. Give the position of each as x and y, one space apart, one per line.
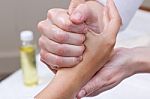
92 87
43 28
50 13
40 26
43 55
108 77
41 43
61 37
97 81
113 80
54 12
49 45
58 60
60 50
66 25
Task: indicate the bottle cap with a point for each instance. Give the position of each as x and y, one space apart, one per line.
26 35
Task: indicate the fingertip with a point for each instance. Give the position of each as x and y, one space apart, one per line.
76 17
79 15
81 94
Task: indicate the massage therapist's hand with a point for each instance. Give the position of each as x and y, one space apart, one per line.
63 34
124 63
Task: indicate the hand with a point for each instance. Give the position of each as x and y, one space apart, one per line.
102 44
62 39
59 45
124 63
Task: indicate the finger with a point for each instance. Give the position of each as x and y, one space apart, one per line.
80 14
94 84
105 88
53 70
74 4
101 79
60 49
58 35
61 18
110 75
57 61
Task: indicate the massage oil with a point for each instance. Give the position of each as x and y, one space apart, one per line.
28 59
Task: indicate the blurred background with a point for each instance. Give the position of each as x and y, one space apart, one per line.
16 16
19 15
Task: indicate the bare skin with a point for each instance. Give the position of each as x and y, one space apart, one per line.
63 35
68 81
124 63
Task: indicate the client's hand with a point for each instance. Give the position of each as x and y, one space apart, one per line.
62 35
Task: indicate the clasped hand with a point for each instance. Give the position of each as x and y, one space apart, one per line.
67 35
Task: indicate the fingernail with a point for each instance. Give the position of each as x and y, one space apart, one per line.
82 93
77 16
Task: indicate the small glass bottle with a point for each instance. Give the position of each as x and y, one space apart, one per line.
28 59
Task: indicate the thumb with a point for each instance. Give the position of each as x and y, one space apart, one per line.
80 14
111 18
74 4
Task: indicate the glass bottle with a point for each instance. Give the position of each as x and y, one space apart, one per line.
28 59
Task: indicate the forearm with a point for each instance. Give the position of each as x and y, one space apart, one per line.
68 81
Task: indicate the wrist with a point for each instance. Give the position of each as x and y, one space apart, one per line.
141 59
